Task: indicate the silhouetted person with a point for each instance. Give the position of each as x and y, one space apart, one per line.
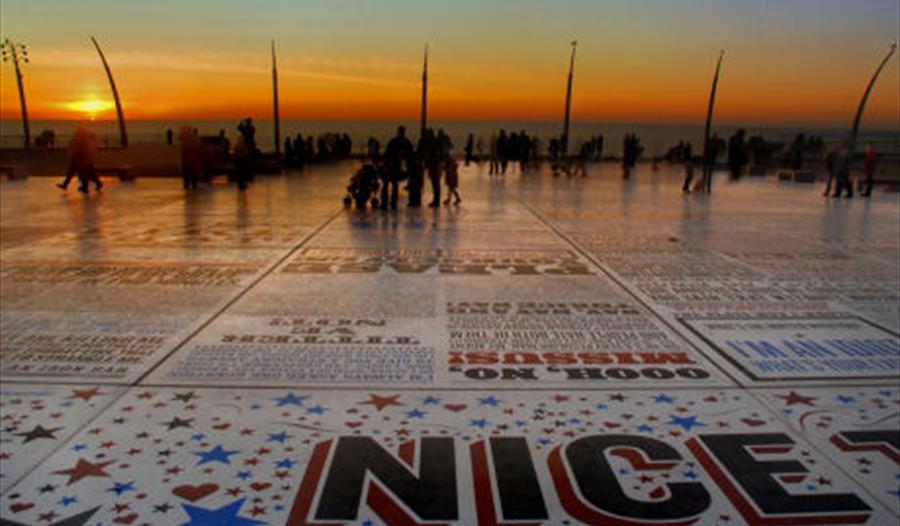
870 165
243 163
831 167
399 152
737 154
170 136
248 132
82 156
842 172
451 179
373 149
494 156
796 152
503 150
429 152
470 148
191 156
687 156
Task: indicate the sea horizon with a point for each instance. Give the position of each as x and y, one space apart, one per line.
657 137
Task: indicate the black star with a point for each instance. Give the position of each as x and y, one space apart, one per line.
38 432
184 397
119 420
142 434
164 452
617 397
162 508
177 422
47 488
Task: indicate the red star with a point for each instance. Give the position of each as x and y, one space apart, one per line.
234 492
121 507
174 470
282 474
824 481
145 395
84 469
560 398
49 516
262 450
646 479
794 398
246 431
85 394
251 461
258 510
380 402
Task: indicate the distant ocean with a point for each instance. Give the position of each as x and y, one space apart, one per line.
656 137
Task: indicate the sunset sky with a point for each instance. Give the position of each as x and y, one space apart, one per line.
793 62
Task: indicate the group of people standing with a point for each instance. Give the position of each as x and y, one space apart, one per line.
403 162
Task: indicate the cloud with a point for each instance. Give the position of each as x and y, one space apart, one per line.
351 71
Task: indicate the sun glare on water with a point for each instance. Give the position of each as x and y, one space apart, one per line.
89 107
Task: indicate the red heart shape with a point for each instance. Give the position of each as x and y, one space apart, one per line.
753 421
127 519
195 493
21 506
260 486
353 424
456 408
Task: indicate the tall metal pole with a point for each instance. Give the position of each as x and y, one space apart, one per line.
112 84
565 134
707 162
424 110
275 102
862 103
11 51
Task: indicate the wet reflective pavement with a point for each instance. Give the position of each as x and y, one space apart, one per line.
552 351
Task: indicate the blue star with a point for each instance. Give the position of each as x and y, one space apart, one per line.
886 394
367 522
415 413
121 487
687 423
544 441
79 447
224 516
811 487
490 400
278 507
317 410
575 421
895 493
430 400
67 403
198 437
278 437
290 399
644 429
254 407
663 399
216 454
787 410
690 475
480 423
600 406
846 399
286 463
521 423
244 475
65 501
623 471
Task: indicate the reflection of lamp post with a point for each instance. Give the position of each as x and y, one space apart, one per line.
16 51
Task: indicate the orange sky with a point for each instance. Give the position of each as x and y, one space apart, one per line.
804 63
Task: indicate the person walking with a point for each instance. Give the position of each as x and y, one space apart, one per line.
82 156
870 165
397 154
451 179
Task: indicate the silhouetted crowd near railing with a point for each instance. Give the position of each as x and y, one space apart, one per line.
378 180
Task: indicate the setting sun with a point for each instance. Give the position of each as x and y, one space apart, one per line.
91 107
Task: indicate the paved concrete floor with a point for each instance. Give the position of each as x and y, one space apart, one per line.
553 351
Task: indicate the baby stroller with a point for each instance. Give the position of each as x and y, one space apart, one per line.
363 185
